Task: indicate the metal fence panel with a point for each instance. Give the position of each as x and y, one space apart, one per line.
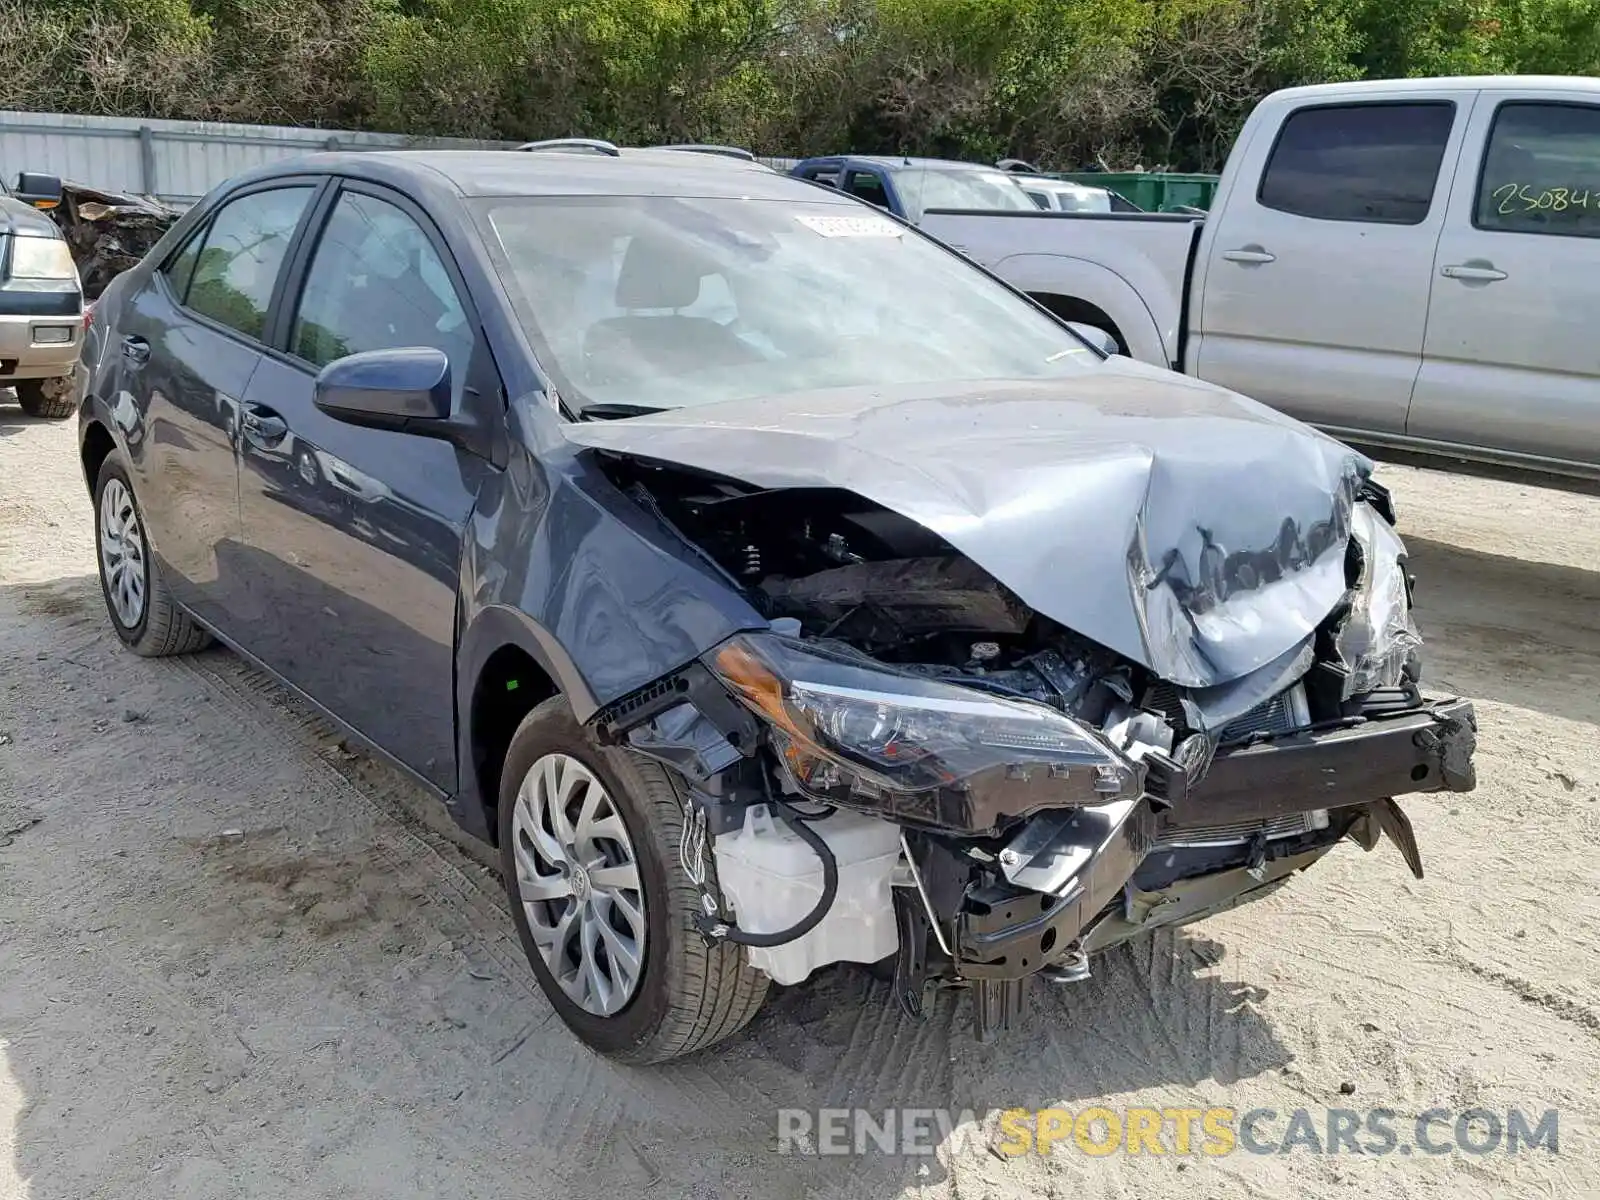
176 161
180 161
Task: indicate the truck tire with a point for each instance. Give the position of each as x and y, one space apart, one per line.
48 398
142 610
589 838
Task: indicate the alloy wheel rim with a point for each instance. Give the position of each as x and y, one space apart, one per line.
122 553
578 880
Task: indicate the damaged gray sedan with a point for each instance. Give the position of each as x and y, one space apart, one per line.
774 587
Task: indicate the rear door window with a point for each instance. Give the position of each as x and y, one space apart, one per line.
238 268
1541 171
868 187
1375 163
828 176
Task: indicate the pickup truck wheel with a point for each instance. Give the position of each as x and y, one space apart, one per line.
142 611
50 398
589 849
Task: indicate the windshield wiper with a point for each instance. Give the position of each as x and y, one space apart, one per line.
615 410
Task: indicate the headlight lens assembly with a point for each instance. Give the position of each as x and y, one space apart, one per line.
41 264
841 723
1379 635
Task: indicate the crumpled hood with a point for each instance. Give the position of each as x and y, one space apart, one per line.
1187 528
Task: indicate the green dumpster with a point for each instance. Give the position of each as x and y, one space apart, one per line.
1151 190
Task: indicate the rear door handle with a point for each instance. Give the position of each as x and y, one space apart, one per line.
136 350
1249 254
262 425
1472 272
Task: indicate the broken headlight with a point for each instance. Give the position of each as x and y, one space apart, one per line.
839 722
1379 635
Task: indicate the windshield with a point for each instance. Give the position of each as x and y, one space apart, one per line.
1078 199
664 302
922 188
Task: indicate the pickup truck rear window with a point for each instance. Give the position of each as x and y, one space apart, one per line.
1376 163
1541 172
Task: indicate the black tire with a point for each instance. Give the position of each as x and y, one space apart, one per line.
48 398
690 995
162 628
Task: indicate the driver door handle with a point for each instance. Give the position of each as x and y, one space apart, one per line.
261 425
1472 272
1249 254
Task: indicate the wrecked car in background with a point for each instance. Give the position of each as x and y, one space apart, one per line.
773 586
109 232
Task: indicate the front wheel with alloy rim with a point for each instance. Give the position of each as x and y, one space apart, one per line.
142 611
589 839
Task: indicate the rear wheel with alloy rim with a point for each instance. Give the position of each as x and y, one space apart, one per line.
589 840
142 611
122 560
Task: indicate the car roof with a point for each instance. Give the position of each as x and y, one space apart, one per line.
1575 84
485 173
893 161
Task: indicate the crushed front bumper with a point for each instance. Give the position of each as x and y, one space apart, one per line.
1379 754
1066 869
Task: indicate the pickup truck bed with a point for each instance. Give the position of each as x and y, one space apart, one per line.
1123 272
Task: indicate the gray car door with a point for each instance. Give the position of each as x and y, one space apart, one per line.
189 343
353 536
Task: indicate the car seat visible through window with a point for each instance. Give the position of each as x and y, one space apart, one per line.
657 280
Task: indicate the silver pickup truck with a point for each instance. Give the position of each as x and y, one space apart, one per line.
41 301
1405 263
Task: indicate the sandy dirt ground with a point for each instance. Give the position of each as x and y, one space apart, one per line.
238 961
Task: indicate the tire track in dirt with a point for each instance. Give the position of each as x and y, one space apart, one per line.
1560 1007
404 840
397 835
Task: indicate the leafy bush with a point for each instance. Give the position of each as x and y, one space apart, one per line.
1064 82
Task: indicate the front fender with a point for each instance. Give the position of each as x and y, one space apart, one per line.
600 592
499 625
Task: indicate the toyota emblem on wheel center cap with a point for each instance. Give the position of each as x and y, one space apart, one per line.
579 879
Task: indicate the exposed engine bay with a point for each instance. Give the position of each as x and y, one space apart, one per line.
913 762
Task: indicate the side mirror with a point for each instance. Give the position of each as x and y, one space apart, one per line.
405 390
1096 337
41 191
